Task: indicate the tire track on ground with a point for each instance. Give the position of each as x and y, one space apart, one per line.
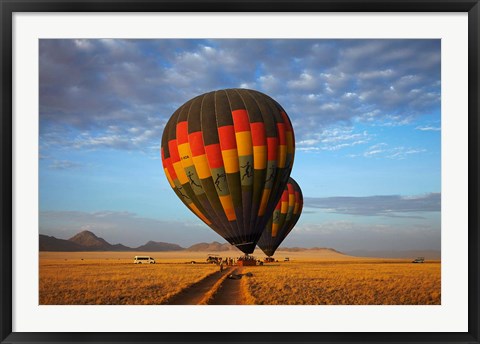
230 291
196 293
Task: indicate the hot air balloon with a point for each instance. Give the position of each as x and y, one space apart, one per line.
228 154
286 214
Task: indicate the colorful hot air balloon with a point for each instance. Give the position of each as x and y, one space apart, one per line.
286 214
227 155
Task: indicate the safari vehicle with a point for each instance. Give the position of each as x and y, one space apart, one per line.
286 259
269 260
419 260
213 259
143 260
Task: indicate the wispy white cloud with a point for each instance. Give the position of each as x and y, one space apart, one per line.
403 152
348 235
390 205
64 165
428 128
333 139
382 150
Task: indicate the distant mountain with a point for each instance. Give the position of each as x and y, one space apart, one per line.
407 254
212 247
89 240
50 243
154 246
301 249
120 248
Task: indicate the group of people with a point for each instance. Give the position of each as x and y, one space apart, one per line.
228 261
246 258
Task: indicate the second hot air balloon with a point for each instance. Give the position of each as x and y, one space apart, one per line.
228 155
286 214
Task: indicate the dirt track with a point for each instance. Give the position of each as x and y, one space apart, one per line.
229 292
215 289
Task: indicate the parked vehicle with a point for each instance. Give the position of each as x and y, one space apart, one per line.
143 260
419 260
214 259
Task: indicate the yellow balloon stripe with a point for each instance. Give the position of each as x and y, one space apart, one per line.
291 200
264 201
201 165
274 229
244 143
282 155
182 177
227 205
259 157
185 154
230 160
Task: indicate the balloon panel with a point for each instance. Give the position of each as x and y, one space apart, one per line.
228 155
285 216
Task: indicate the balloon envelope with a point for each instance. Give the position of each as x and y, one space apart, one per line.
227 155
286 214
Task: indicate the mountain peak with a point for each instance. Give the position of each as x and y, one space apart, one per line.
84 233
89 239
157 246
213 247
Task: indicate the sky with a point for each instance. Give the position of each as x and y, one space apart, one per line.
366 116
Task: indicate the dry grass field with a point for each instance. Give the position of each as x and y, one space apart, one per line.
312 277
111 278
354 282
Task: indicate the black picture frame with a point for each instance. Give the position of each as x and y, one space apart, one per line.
9 7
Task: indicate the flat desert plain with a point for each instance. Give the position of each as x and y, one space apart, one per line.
312 277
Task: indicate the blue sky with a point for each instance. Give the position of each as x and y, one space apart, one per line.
366 116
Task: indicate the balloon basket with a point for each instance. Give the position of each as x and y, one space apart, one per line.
251 262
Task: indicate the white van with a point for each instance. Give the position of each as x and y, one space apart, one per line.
143 260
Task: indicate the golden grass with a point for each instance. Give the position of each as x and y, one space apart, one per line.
315 278
112 281
354 282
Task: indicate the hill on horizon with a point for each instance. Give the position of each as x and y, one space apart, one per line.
156 246
408 254
214 247
88 241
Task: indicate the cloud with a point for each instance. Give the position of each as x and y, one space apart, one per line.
332 139
390 205
305 81
347 235
123 227
428 128
132 230
63 165
382 150
87 86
